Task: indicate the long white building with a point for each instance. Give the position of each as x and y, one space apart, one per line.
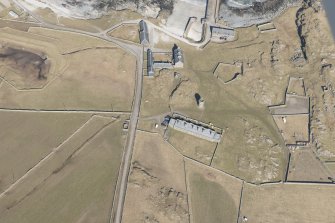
195 130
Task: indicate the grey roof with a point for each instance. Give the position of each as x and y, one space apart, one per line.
144 34
162 65
144 38
294 104
178 55
195 130
223 31
143 26
150 63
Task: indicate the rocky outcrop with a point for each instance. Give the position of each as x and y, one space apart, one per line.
237 13
92 9
302 23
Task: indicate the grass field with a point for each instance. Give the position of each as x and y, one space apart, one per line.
68 42
79 184
331 168
27 137
20 73
213 196
305 166
63 161
95 63
127 32
252 147
294 203
191 146
156 190
251 151
157 91
76 183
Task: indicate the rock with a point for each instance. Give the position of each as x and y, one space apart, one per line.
92 9
237 13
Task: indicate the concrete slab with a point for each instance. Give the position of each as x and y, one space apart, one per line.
294 104
195 31
296 86
183 10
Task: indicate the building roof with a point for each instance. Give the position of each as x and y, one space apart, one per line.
144 34
162 65
143 26
195 130
178 55
223 31
150 63
144 38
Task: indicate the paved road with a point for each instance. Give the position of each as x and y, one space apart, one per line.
137 51
126 161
